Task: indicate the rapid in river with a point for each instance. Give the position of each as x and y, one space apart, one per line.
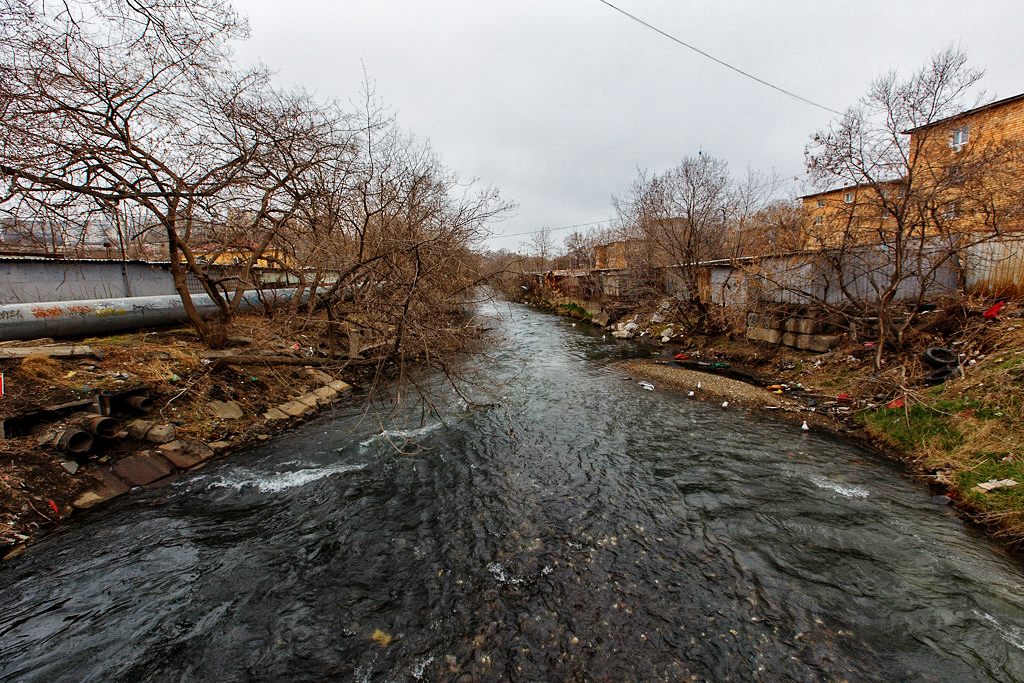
564 525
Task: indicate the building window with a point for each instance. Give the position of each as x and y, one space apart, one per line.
959 137
955 173
848 198
817 220
821 202
949 211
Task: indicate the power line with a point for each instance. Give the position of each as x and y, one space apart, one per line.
719 61
564 227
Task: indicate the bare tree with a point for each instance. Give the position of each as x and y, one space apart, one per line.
899 216
542 246
684 217
110 102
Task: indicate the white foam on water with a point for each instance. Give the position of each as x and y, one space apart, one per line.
417 671
401 434
499 574
280 481
841 489
1014 635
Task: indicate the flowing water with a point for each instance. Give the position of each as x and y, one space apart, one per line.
577 527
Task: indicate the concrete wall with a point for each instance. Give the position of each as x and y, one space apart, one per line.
859 274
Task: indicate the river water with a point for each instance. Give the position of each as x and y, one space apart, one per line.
571 527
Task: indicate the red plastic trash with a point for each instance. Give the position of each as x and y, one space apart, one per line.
994 311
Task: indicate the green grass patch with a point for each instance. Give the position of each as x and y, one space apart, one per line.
575 311
916 428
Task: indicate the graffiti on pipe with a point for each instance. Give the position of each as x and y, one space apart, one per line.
103 312
53 312
11 315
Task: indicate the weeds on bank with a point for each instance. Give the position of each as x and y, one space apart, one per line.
575 311
972 430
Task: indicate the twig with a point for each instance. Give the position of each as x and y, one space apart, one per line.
38 512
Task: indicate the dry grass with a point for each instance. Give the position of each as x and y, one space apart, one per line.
43 369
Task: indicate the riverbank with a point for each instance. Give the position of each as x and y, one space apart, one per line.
196 404
965 436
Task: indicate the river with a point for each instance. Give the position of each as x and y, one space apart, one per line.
571 526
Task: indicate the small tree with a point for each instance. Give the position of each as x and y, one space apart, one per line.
542 246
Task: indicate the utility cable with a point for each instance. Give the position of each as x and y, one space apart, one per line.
719 61
564 227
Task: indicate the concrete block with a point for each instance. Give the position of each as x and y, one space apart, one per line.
109 487
807 326
820 343
319 376
138 428
160 434
764 334
325 393
339 386
791 339
141 469
225 410
308 400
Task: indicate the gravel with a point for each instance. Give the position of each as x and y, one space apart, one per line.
711 386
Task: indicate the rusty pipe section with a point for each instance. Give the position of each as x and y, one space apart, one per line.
73 440
143 404
98 425
102 316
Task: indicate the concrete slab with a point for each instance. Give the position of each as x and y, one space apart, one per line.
141 469
225 410
339 386
109 487
185 454
307 399
319 375
325 392
274 414
295 409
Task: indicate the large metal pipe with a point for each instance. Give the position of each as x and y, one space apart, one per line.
102 316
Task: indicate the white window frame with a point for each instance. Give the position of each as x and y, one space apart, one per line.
817 220
960 137
848 198
821 202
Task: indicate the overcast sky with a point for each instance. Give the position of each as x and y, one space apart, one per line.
558 103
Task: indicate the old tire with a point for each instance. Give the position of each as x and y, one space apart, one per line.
941 375
938 357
